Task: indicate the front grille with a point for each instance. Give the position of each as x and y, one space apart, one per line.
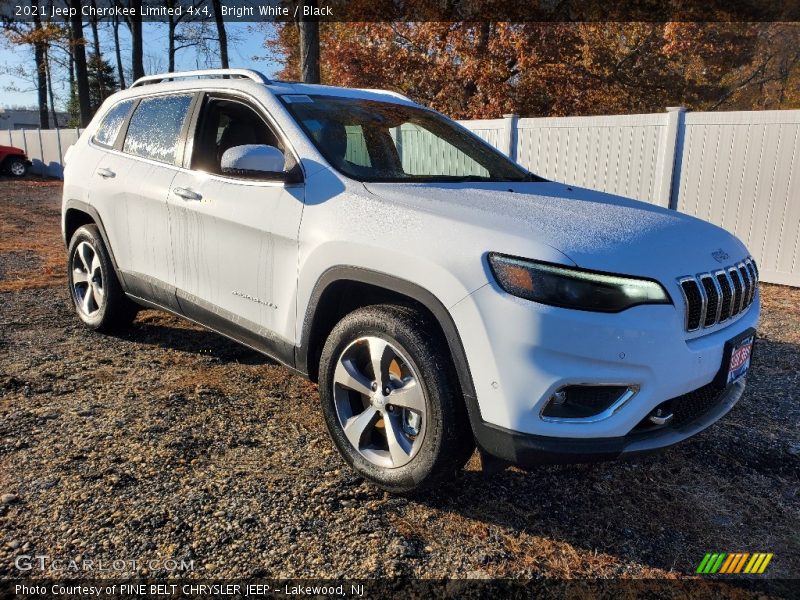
712 298
686 408
693 405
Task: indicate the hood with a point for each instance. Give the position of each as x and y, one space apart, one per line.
593 229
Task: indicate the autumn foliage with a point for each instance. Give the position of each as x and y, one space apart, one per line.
485 69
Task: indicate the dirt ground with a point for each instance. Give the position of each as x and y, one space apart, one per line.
171 442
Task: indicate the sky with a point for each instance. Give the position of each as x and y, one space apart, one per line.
245 50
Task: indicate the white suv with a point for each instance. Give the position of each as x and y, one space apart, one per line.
441 295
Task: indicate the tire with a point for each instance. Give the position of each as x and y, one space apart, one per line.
418 402
93 284
16 167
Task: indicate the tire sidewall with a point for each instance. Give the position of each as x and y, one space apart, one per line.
408 340
90 234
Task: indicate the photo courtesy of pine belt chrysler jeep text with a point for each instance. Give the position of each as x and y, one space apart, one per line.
441 295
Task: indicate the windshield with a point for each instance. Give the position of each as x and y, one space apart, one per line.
382 141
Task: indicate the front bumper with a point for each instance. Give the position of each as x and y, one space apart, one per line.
521 352
525 450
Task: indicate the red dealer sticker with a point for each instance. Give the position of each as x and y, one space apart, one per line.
740 359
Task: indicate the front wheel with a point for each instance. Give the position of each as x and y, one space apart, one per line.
391 399
93 285
16 167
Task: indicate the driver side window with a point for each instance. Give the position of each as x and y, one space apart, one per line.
224 124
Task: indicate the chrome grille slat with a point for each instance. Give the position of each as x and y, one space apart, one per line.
736 283
738 289
714 299
717 296
726 291
747 294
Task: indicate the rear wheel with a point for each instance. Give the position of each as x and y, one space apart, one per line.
95 290
16 167
391 400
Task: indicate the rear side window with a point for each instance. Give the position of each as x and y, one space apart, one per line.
106 133
155 127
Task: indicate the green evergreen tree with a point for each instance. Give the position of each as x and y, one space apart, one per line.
73 109
102 82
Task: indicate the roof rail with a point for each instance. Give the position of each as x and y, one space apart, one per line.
204 73
387 92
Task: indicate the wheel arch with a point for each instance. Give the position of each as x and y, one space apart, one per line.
77 214
342 289
5 159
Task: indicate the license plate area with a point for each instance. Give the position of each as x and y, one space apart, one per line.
736 358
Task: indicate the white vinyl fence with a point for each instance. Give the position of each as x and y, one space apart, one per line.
45 147
740 170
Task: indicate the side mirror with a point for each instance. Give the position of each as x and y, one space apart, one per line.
254 160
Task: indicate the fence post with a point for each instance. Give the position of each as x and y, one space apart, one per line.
41 153
60 152
510 135
669 180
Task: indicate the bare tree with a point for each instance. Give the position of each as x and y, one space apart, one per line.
137 46
54 116
79 53
34 35
40 57
93 25
118 53
221 33
179 41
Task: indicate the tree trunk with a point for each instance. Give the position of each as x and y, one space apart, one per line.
39 48
171 44
95 35
221 34
137 49
309 46
81 72
50 87
118 53
96 60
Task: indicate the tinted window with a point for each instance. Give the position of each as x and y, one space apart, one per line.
107 132
155 127
225 124
386 141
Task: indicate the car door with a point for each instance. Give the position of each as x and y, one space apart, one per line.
136 177
235 237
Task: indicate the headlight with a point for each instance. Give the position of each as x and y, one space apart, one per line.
573 288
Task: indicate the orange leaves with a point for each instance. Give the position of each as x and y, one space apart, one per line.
485 69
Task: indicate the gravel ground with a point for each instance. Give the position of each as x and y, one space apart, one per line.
172 442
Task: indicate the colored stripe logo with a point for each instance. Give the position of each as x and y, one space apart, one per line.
726 563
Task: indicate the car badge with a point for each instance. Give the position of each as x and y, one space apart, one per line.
720 255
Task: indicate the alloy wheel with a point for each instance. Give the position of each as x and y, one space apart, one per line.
380 402
17 169
87 279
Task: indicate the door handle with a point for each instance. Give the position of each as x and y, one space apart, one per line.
106 173
186 194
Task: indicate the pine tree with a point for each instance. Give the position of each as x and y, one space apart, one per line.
102 82
73 108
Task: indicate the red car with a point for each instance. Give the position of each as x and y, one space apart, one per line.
14 161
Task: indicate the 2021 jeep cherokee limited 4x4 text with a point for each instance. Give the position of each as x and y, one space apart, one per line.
441 295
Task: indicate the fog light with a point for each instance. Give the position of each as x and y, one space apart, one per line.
587 402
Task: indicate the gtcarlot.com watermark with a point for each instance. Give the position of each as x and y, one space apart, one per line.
43 563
